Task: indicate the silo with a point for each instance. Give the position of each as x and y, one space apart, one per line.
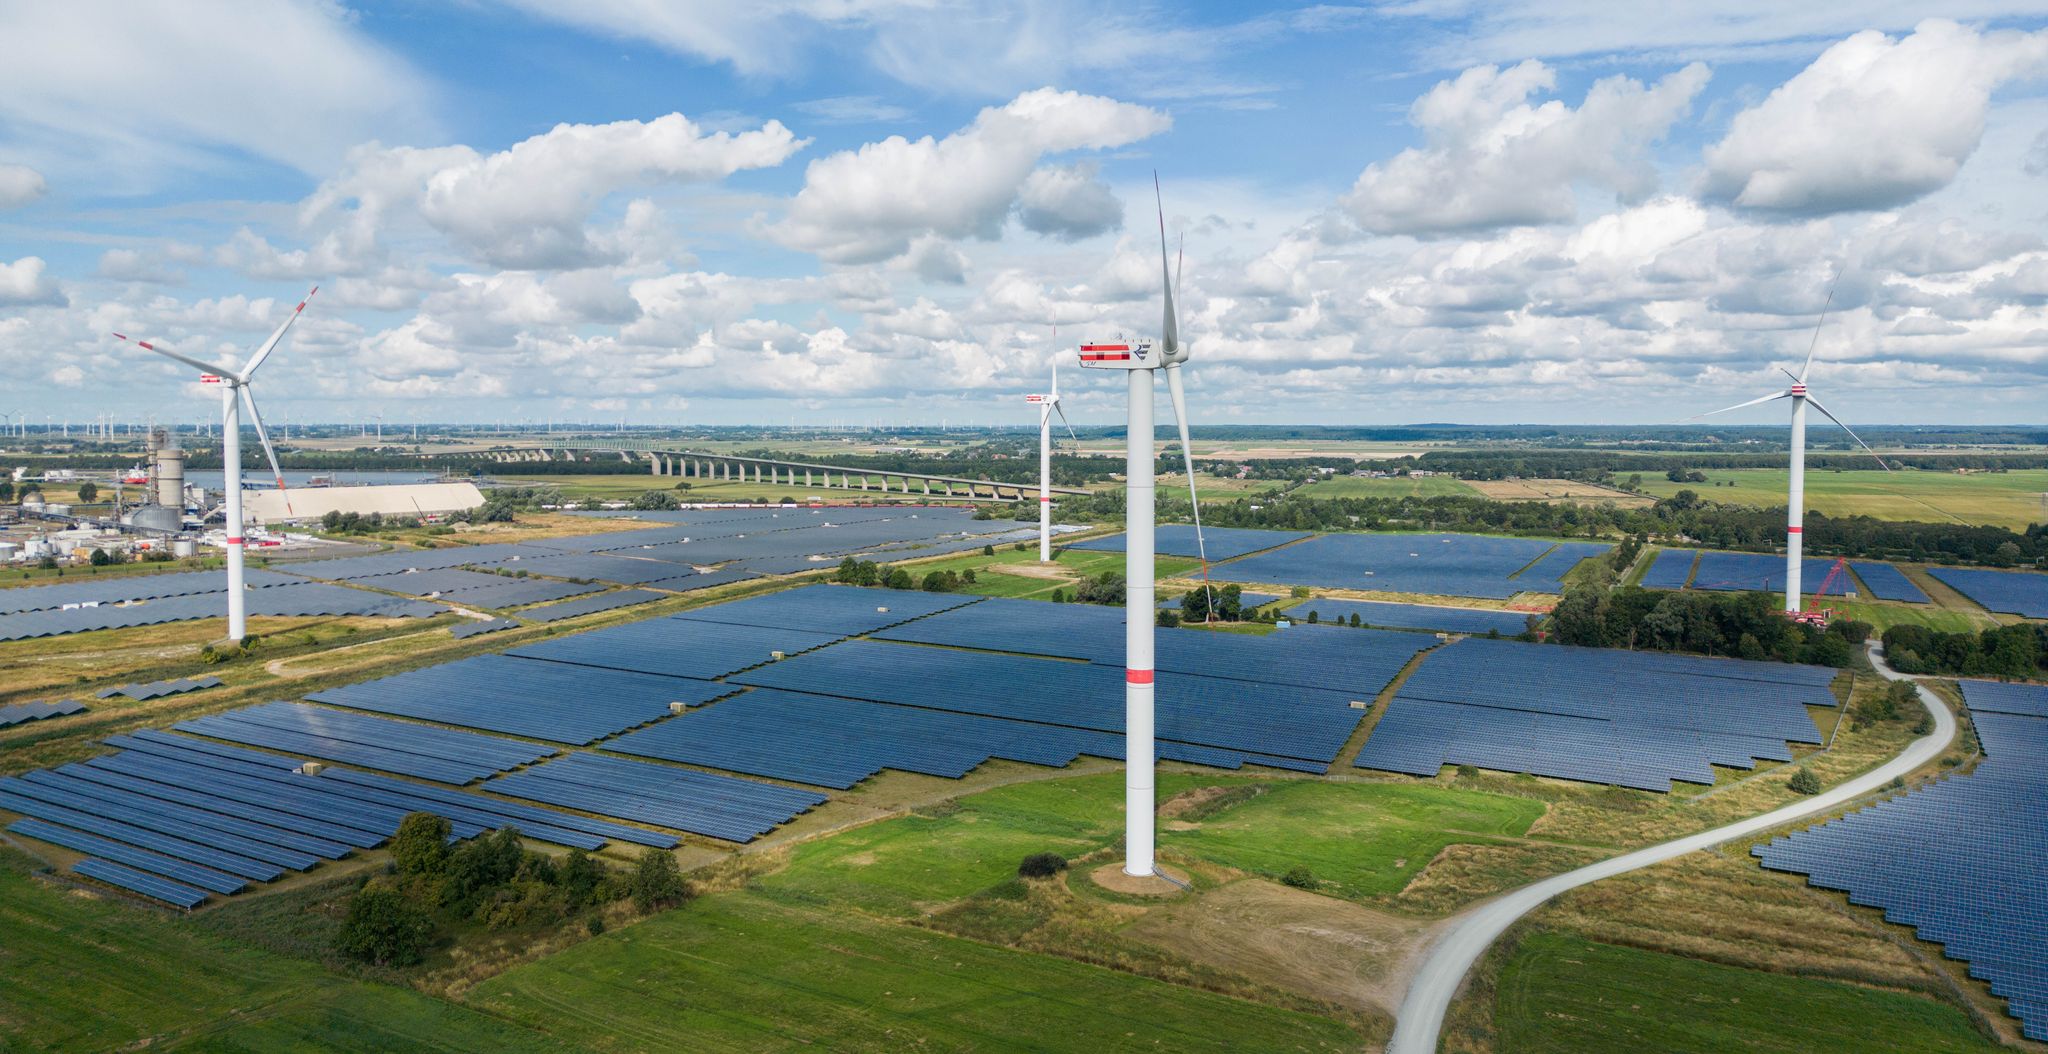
170 476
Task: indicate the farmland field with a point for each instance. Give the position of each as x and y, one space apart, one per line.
1554 490
1389 487
1562 994
2004 499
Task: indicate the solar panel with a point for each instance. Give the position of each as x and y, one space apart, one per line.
1438 564
842 610
1412 616
555 701
1223 543
1886 582
2010 592
678 647
155 887
621 598
1672 569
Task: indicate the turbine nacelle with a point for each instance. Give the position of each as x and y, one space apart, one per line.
1122 353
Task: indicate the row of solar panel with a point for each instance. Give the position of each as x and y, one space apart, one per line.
1412 616
1673 569
37 711
725 807
158 689
1438 564
1959 859
438 754
115 589
2019 593
297 599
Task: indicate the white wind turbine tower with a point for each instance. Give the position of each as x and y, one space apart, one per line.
1795 504
1139 358
234 396
1047 406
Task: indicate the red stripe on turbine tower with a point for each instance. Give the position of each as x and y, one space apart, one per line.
1795 530
1138 676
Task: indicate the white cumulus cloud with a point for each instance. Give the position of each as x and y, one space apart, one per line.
1873 123
526 207
870 204
1491 159
19 185
24 282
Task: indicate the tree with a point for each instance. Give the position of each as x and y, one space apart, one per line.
657 883
90 492
1168 617
655 500
1804 781
385 928
988 550
6 490
579 876
100 558
1313 617
421 845
1354 620
898 578
481 864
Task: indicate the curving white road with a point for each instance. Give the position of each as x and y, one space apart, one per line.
1421 1019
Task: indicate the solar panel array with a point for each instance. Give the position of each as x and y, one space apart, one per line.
1441 564
1175 539
2006 697
2011 592
1215 720
1736 572
727 807
1412 616
612 601
38 711
176 818
677 647
1959 860
1671 569
1886 582
525 697
115 589
438 754
295 599
477 628
842 610
158 689
1635 719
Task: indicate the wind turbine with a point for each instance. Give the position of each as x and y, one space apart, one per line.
235 394
1795 530
1139 358
1047 406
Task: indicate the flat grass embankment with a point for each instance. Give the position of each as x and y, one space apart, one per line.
2001 499
1564 994
81 972
744 972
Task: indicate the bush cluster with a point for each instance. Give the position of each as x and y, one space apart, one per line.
2006 651
490 880
1743 625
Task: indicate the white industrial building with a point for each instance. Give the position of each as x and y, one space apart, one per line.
402 499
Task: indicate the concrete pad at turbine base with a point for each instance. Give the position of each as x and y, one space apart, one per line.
1165 882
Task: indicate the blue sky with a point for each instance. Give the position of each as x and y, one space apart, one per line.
849 211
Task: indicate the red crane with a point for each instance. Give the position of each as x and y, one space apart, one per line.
1817 615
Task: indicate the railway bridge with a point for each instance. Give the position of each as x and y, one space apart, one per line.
682 462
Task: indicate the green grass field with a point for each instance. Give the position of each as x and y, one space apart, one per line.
84 974
1075 562
1563 995
1360 839
742 972
1886 615
1392 487
2005 499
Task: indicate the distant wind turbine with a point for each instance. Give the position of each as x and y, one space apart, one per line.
1795 530
1047 406
235 395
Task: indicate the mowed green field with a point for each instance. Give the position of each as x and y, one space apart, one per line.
82 973
742 972
1077 563
2004 499
1360 839
1886 615
1560 994
1391 487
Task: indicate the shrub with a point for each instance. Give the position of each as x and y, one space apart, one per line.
1468 771
1924 725
988 550
383 927
1169 617
1804 781
421 845
579 876
595 925
1300 877
657 882
1313 617
1041 865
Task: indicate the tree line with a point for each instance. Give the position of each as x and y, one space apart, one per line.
2019 651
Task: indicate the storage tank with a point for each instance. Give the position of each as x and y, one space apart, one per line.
183 548
167 518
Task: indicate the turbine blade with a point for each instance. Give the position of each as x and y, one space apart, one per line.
249 401
1169 328
1814 344
1178 394
203 367
1815 403
1738 406
271 344
1063 420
